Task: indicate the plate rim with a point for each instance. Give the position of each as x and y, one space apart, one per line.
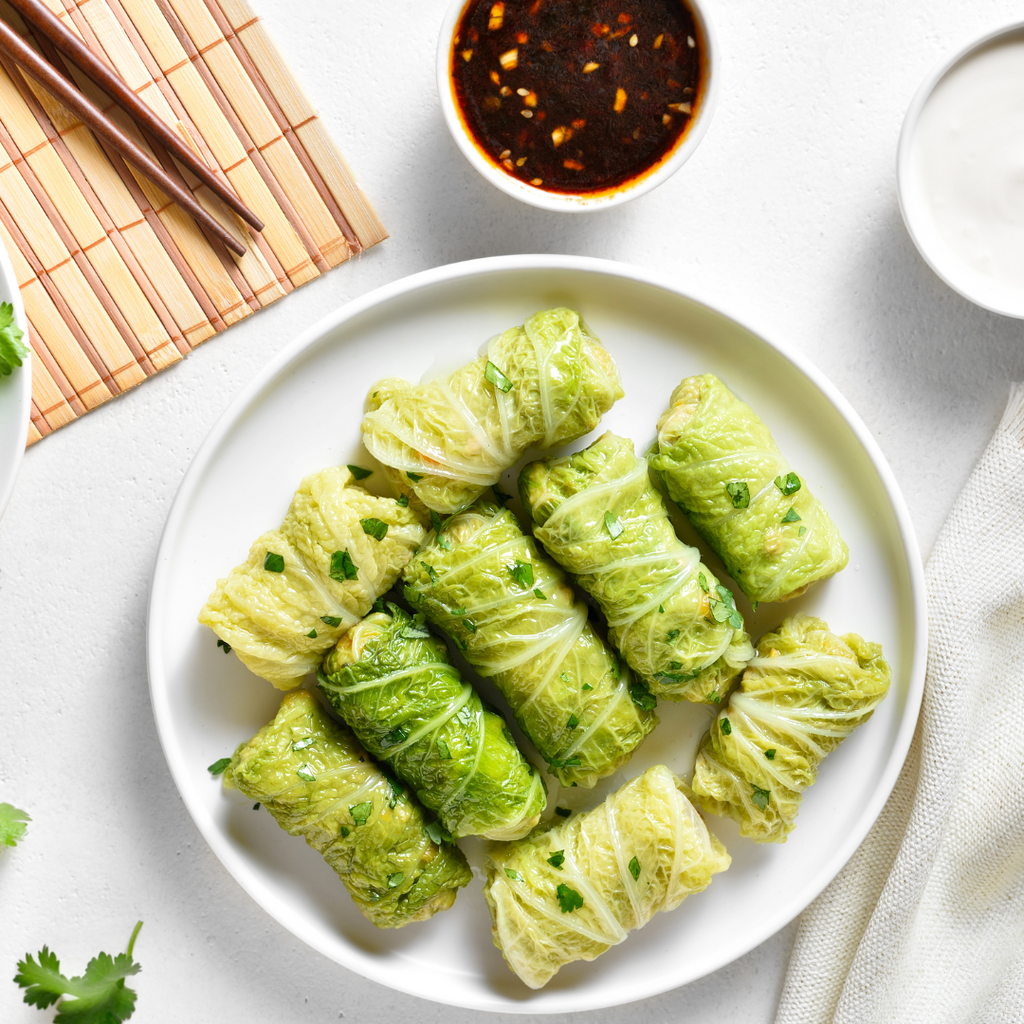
263 379
24 391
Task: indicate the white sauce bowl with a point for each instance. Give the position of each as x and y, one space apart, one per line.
960 171
567 202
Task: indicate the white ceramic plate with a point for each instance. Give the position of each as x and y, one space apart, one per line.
303 413
15 392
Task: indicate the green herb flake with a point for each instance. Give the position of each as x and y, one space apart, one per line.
703 581
217 768
444 544
311 634
792 516
761 797
573 721
395 879
724 609
442 749
557 859
435 521
661 609
431 572
564 676
273 562
568 898
671 636
331 620
12 350
567 762
256 807
801 531
470 625
642 697
739 492
397 735
522 573
303 744
789 484
414 477
497 378
563 812
378 605
305 772
402 501
512 874
358 473
461 644
374 528
224 644
361 812
439 835
586 686
715 697
770 754
538 593
500 496
342 567
726 726
12 825
612 525
634 868
345 832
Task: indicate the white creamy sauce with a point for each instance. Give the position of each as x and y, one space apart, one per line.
968 154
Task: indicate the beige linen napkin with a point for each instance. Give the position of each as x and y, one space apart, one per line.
926 922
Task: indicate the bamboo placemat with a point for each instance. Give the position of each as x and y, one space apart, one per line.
117 282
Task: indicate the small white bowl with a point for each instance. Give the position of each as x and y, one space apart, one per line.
568 202
946 250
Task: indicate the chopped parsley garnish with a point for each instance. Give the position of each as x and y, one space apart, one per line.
512 874
431 572
402 501
568 898
661 609
761 797
642 697
273 562
564 676
397 735
537 592
470 625
331 620
726 726
395 879
586 686
634 868
500 496
217 768
306 741
374 528
256 807
361 812
724 609
342 567
496 377
557 859
305 772
435 521
563 812
792 516
677 677
788 484
715 697
438 833
444 544
612 525
801 531
311 634
442 749
522 573
673 665
457 611
224 644
12 825
703 581
12 350
414 477
770 754
359 473
739 492
378 605
573 721
345 832
671 636
568 762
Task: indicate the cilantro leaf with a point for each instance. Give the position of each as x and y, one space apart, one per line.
770 753
512 874
438 833
739 492
671 636
703 581
305 772
342 567
557 859
99 996
761 797
414 477
12 825
537 592
522 573
568 898
634 868
402 501
358 473
361 812
726 726
224 645
374 528
273 562
792 516
500 496
788 484
217 768
330 620
12 351
642 697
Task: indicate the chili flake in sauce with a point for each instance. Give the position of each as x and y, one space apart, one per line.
577 96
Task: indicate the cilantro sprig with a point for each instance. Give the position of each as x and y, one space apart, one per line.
99 996
12 825
12 351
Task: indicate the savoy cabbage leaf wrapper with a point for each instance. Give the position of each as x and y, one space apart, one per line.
408 705
799 698
719 462
315 576
516 620
572 891
316 781
599 516
445 440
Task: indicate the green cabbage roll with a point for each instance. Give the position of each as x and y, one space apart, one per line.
719 462
799 698
338 549
447 439
317 782
510 611
407 704
574 889
600 517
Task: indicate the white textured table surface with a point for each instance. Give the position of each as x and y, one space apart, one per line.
786 217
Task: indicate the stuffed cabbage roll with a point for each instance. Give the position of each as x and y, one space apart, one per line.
407 704
316 781
799 698
338 549
600 517
719 462
516 620
447 439
573 890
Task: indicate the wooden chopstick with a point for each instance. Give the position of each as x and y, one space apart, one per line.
37 14
18 50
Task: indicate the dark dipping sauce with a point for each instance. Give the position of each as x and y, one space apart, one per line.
577 96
